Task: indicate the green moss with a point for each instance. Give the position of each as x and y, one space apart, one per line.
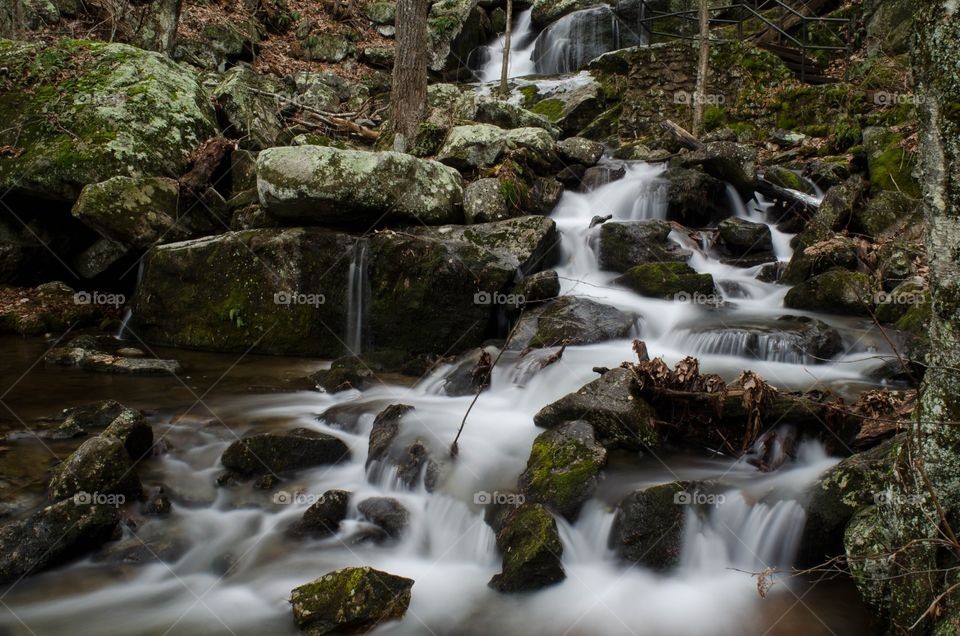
552 108
666 280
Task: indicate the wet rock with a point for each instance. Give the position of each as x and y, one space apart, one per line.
897 264
50 307
786 179
669 281
563 468
834 213
580 150
727 162
482 145
624 245
495 111
574 321
101 362
53 536
153 543
296 449
131 429
326 185
648 526
154 110
324 516
99 467
601 175
385 429
841 291
92 416
387 513
695 199
827 173
620 418
741 237
349 415
540 287
351 600
893 306
157 502
344 374
471 372
454 29
858 481
531 549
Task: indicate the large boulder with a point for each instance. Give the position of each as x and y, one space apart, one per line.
54 535
531 548
741 237
100 466
573 321
694 198
838 291
325 185
574 106
833 214
271 453
837 252
620 418
249 113
564 468
670 281
268 291
350 601
482 145
454 29
119 110
648 526
624 245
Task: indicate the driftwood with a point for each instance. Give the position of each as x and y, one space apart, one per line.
685 138
338 121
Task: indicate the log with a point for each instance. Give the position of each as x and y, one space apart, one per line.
800 203
685 138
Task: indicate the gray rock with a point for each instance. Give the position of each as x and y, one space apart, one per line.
387 513
270 453
350 601
624 245
573 321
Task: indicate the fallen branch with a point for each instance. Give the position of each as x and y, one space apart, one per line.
685 138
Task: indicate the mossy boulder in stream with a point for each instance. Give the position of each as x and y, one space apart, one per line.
834 213
268 291
271 453
54 535
667 280
620 417
837 291
100 466
531 548
350 601
694 198
563 468
328 186
648 526
624 245
572 321
82 112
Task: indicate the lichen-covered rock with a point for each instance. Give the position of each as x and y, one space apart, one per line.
727 161
648 526
882 211
839 291
324 47
439 289
540 287
482 145
671 281
454 29
249 114
624 245
349 601
580 150
100 466
620 418
532 551
575 106
119 111
491 110
563 468
54 535
325 185
269 453
272 290
573 321
487 200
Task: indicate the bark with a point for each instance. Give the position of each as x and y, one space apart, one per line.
700 92
409 95
505 66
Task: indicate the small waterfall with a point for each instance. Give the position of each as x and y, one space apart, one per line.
571 42
128 314
358 297
744 343
522 41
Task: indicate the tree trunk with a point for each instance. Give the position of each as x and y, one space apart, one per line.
505 66
409 95
700 93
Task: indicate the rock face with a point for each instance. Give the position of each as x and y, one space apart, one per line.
324 185
269 453
667 280
648 526
563 468
624 245
574 321
101 466
619 418
271 289
54 535
350 601
531 550
120 111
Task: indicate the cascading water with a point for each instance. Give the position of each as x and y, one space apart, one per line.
128 314
571 42
521 52
358 295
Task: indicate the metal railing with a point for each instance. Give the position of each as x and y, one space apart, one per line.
740 13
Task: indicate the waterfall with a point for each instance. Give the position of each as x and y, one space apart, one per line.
128 314
358 297
521 51
574 40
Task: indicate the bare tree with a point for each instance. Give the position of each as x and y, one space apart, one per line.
409 95
700 92
505 66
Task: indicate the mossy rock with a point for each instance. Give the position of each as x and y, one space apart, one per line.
99 466
838 252
83 112
890 164
666 280
648 526
563 468
882 211
351 600
625 245
834 213
838 291
135 212
532 551
249 115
